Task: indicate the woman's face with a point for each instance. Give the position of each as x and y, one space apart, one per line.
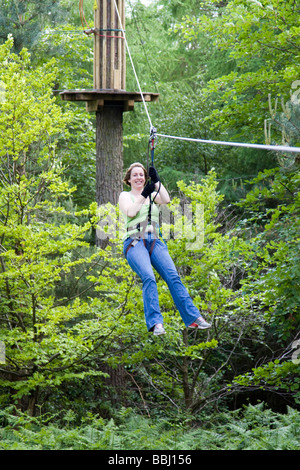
137 178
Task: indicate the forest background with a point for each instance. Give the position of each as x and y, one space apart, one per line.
78 368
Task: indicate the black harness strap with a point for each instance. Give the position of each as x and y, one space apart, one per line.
145 224
140 235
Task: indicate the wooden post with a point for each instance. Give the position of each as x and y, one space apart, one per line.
109 74
108 98
109 46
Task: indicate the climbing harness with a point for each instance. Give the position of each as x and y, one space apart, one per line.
141 226
140 235
140 230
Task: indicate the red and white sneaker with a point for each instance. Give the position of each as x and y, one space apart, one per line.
159 330
200 323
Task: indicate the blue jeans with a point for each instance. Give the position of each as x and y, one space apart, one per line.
139 260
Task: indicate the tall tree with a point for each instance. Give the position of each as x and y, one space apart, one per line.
37 234
262 38
25 20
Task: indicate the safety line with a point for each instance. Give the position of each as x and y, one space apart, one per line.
132 64
277 148
81 12
62 31
94 31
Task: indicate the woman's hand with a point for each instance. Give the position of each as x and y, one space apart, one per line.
153 174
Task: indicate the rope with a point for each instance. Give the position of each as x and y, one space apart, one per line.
94 31
153 134
132 64
277 148
81 12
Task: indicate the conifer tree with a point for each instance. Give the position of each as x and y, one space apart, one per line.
24 20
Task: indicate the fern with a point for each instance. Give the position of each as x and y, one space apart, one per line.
254 428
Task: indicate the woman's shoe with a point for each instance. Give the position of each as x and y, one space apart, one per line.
200 323
159 330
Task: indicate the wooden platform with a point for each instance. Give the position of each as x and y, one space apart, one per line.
98 99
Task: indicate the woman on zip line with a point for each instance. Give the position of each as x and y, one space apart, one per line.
143 249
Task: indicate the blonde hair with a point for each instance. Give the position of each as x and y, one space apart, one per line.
128 172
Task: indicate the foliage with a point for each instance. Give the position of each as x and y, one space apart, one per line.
176 72
38 235
72 314
274 276
254 428
263 40
227 277
25 20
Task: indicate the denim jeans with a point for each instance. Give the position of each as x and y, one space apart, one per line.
139 260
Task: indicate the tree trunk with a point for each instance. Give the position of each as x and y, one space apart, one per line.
109 184
188 395
117 382
109 154
109 160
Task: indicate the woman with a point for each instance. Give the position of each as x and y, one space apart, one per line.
143 249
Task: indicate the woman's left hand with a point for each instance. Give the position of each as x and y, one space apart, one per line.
153 174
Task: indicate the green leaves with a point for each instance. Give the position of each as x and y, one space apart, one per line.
38 235
67 308
29 113
262 44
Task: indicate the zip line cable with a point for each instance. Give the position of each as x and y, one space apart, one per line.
278 148
62 31
153 131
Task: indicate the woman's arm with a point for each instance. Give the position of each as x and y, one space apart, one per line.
162 196
129 207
